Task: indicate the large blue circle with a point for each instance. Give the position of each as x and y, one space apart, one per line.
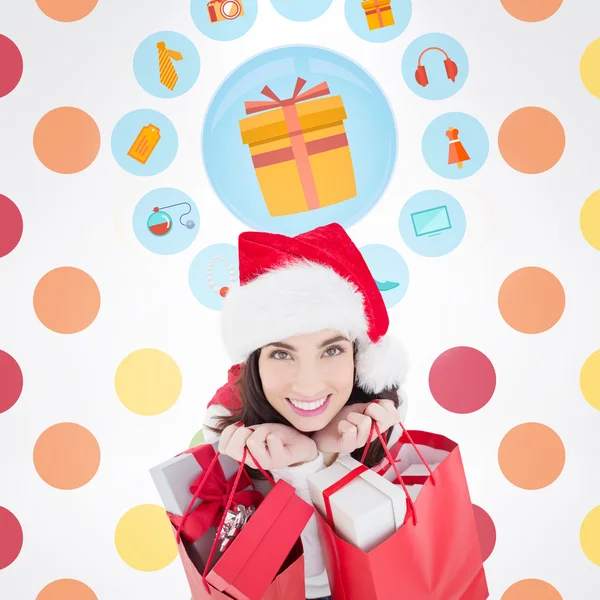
369 126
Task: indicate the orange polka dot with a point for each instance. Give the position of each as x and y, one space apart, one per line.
66 456
66 589
531 300
66 10
531 140
66 300
528 589
531 456
66 140
531 10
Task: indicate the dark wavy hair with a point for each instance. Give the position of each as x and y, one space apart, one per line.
256 410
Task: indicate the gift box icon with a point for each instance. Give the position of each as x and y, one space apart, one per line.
299 149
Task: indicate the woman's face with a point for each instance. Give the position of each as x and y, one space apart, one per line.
308 378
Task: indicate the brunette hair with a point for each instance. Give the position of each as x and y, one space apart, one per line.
256 410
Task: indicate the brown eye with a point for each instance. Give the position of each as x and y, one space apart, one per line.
338 350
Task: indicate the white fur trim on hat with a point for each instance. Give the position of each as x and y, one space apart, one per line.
382 365
305 297
302 297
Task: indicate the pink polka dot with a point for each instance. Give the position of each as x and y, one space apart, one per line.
462 380
486 531
11 66
12 538
12 381
11 223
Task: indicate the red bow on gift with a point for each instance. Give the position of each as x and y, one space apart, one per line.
214 493
254 106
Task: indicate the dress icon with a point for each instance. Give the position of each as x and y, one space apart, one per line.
456 152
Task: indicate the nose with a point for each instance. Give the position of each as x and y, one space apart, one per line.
308 381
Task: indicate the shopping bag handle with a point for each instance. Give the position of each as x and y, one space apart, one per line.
392 462
188 510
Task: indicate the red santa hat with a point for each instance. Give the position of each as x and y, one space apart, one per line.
316 280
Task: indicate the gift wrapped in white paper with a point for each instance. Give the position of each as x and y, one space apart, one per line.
174 477
366 511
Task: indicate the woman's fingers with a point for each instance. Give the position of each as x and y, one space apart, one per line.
237 442
281 457
363 426
348 433
257 444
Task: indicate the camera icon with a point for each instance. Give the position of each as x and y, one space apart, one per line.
224 10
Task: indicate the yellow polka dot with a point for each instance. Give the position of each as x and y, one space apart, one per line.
590 535
148 382
589 68
589 379
144 538
589 220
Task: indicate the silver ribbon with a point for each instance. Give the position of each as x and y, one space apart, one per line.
235 521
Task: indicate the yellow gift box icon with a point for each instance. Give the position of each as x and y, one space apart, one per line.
379 13
299 149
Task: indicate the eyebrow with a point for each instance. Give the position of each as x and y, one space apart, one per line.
337 338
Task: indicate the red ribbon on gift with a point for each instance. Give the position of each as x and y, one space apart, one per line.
292 121
215 492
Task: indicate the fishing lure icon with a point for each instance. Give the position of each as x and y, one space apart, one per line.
160 222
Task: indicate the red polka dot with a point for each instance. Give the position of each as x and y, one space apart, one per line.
12 538
11 66
11 224
486 531
462 380
12 381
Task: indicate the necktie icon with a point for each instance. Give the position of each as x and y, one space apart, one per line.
167 72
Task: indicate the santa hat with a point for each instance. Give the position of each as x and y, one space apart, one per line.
316 280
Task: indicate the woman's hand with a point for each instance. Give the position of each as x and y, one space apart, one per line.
274 446
350 428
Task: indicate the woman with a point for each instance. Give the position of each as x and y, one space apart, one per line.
306 329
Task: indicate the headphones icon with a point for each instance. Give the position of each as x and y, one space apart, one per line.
421 73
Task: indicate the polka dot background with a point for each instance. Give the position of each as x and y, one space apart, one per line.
107 359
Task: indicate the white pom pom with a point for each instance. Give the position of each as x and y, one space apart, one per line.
382 365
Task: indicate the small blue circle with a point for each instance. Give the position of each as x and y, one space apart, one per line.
389 270
147 135
178 57
301 10
381 25
444 156
432 223
224 20
349 178
436 70
165 231
213 269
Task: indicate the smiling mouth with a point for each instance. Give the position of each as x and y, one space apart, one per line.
309 409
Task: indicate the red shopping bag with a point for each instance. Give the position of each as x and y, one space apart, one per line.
265 561
434 555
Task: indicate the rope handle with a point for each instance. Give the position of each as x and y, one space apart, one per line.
188 510
392 462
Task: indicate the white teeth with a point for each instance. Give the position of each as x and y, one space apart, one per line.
309 405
